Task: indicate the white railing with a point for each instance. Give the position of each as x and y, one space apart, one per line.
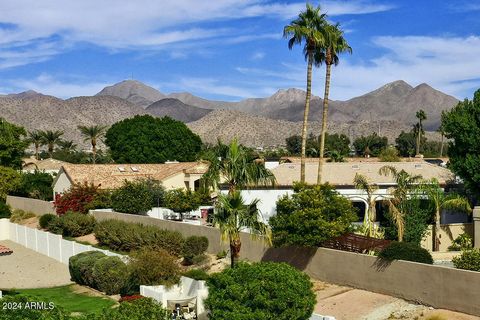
46 243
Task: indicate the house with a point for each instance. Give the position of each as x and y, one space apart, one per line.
51 166
341 175
173 175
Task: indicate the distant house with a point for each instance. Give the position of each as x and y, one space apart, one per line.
112 176
341 175
49 165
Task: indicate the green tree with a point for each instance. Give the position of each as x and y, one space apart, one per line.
181 200
10 180
12 145
67 145
421 116
442 201
462 125
232 216
235 166
405 185
406 143
311 216
51 138
37 185
294 144
136 197
389 154
370 145
334 45
145 139
93 134
265 290
308 28
35 138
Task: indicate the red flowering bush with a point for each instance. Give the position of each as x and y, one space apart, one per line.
130 298
76 199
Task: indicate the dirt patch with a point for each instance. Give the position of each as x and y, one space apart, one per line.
89 238
30 223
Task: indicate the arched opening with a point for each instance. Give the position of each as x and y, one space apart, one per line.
361 207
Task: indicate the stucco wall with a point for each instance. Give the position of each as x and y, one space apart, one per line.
448 233
38 207
174 182
62 184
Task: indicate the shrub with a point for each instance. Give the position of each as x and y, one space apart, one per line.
55 225
76 198
197 274
124 236
260 291
137 197
81 267
180 200
389 154
5 211
154 267
139 309
468 260
194 246
406 251
221 255
110 274
20 215
311 216
45 220
36 185
77 224
462 242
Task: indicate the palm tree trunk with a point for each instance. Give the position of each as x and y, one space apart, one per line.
305 115
324 123
94 151
417 152
235 246
50 150
436 230
36 151
441 146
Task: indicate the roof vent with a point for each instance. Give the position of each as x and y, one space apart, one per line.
356 167
134 169
121 169
418 166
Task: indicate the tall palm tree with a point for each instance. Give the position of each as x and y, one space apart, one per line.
420 115
335 44
92 134
405 185
235 166
35 138
361 183
308 28
442 133
234 216
51 138
67 145
442 201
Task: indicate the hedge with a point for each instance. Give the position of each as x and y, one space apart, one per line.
124 236
468 260
81 267
406 251
44 220
110 274
193 248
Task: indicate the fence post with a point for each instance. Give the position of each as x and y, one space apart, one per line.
476 227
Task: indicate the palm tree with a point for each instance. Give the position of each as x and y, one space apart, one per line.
360 182
234 216
442 133
335 44
35 138
405 185
420 115
442 201
92 134
51 138
236 167
309 28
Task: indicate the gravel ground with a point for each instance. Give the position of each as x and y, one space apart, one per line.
25 269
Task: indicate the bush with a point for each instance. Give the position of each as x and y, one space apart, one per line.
468 260
45 220
76 199
260 291
406 251
139 309
55 225
197 274
193 247
134 197
77 224
180 200
221 255
20 215
311 216
462 242
5 211
389 155
110 274
154 267
124 236
36 185
81 267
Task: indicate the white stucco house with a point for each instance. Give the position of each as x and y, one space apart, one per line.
340 175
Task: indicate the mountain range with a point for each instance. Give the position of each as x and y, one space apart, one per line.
255 121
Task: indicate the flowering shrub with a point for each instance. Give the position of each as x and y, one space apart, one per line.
130 298
76 199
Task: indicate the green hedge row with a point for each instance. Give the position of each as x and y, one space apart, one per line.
71 224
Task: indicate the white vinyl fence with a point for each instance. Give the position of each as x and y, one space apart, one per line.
46 243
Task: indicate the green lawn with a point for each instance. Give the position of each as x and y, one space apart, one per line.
69 300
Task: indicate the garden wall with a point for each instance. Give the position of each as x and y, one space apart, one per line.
36 206
46 243
448 233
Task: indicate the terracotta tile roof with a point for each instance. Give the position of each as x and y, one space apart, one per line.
111 176
4 250
342 173
46 164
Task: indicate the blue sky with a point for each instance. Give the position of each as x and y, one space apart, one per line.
230 49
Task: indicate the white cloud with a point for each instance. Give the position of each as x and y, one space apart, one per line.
259 55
